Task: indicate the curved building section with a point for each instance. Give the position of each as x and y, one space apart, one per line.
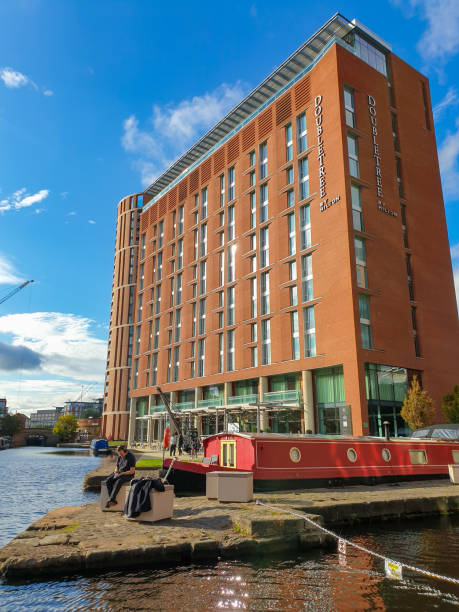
117 378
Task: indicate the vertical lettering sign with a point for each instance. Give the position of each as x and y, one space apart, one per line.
374 132
318 115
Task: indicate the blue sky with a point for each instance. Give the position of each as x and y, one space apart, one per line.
93 99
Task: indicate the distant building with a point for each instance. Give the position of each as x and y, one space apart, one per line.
3 407
89 427
79 408
43 419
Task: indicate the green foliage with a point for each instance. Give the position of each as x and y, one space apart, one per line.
90 413
66 427
450 405
11 424
418 409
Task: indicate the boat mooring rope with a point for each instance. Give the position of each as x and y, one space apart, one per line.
362 548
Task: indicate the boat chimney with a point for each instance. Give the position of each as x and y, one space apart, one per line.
386 429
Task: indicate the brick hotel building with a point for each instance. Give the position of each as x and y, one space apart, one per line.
291 271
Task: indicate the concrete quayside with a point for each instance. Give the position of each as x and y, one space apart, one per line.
82 538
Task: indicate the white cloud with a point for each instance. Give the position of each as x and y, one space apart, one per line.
48 92
451 99
440 40
72 213
173 128
448 157
8 274
65 342
14 79
91 222
20 199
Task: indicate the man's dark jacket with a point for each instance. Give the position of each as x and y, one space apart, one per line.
138 500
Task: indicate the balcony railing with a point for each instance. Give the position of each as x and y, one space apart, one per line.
216 401
240 400
282 397
183 406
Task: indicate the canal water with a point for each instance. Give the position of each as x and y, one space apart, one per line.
33 481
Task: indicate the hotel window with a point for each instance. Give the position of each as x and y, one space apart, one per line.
252 158
142 246
309 330
203 247
137 340
307 291
290 198
415 331
221 218
295 335
222 190
178 324
252 178
169 364
141 276
263 152
410 275
159 266
131 265
160 234
264 247
202 277
195 248
365 328
398 167
293 291
404 230
231 223
231 184
180 254
253 296
305 227
253 209
131 304
202 317
220 352
178 289
221 269
395 132
221 238
150 334
292 270
172 293
264 293
174 224
288 143
291 234
349 106
253 263
303 178
361 261
301 133
201 357
147 376
195 217
136 373
230 350
181 214
230 263
253 332
264 203
356 198
175 372
353 153
192 369
221 322
139 306
154 369
158 299
265 342
230 306
221 299
289 175
193 319
204 203
253 242
254 356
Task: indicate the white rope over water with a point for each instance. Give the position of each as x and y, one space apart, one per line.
362 548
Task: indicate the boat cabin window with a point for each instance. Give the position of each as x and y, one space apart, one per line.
418 457
455 456
295 454
228 453
351 455
385 454
447 434
420 433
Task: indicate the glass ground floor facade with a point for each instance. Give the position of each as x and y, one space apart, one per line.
278 404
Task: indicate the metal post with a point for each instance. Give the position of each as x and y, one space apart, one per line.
216 420
258 418
225 420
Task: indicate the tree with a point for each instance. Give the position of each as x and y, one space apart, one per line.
65 427
450 405
11 424
418 408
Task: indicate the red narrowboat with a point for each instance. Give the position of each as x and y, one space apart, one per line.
280 461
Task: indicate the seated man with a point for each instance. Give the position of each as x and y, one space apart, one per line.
124 472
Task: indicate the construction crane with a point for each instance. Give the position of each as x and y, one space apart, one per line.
11 293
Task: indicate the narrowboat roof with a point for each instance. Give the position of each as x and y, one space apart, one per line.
322 437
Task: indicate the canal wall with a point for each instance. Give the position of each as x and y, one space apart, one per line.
80 538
